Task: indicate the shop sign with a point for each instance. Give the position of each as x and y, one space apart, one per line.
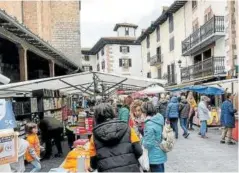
8 147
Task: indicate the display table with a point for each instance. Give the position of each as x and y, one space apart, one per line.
235 130
213 121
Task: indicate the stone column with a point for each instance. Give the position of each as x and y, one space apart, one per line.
22 52
52 68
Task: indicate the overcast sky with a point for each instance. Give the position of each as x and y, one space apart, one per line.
98 17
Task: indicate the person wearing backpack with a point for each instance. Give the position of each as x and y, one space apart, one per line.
184 109
153 137
172 114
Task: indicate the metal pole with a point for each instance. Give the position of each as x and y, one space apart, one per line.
94 80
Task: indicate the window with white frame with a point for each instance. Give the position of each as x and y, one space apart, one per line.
87 58
124 49
126 31
87 68
125 62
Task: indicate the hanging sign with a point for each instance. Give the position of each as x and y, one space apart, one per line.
8 147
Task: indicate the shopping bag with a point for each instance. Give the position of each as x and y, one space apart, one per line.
168 139
144 160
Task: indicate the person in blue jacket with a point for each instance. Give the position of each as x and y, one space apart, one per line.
153 137
124 111
227 119
172 114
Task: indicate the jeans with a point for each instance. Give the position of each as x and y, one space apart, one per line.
190 121
227 132
203 128
174 125
157 168
37 166
183 123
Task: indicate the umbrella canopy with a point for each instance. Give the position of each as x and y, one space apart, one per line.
154 90
208 90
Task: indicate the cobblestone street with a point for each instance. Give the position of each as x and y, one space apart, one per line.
202 155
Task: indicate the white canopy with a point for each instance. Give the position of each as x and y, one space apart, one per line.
79 83
153 90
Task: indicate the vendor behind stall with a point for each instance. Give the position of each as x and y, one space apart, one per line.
51 128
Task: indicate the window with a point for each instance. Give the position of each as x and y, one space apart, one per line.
148 41
208 14
159 73
87 58
98 67
149 75
87 68
125 63
126 31
148 56
97 55
195 25
158 33
171 44
194 4
170 20
102 52
124 49
103 65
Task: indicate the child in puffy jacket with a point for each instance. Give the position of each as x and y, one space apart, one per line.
33 152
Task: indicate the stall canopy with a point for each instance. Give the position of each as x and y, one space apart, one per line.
208 90
154 90
86 82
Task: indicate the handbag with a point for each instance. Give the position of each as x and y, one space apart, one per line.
144 160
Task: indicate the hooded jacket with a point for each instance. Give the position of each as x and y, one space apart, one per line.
124 114
162 107
227 114
153 137
173 108
184 108
203 112
115 147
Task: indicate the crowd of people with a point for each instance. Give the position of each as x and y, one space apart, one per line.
119 136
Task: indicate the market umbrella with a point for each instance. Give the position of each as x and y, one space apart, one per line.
154 90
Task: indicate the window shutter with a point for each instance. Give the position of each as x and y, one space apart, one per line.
91 68
173 73
120 62
169 74
128 49
130 63
120 48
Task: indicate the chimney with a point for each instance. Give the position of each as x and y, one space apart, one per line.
164 9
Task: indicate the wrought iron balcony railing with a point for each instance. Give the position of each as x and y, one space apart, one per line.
212 28
213 66
156 60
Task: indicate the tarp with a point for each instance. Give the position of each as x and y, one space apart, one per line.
153 90
207 90
79 83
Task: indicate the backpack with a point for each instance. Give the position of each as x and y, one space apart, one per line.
168 139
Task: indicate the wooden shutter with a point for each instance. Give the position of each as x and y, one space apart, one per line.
120 48
173 73
169 74
120 62
128 49
91 68
130 63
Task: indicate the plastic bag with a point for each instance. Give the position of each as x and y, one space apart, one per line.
144 160
168 139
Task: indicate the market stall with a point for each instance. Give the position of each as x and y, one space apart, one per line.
64 97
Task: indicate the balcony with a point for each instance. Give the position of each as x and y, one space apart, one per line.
211 67
156 60
208 33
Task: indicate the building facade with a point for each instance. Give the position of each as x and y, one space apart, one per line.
186 44
119 55
56 22
32 39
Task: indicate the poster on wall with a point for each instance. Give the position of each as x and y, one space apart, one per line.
8 147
